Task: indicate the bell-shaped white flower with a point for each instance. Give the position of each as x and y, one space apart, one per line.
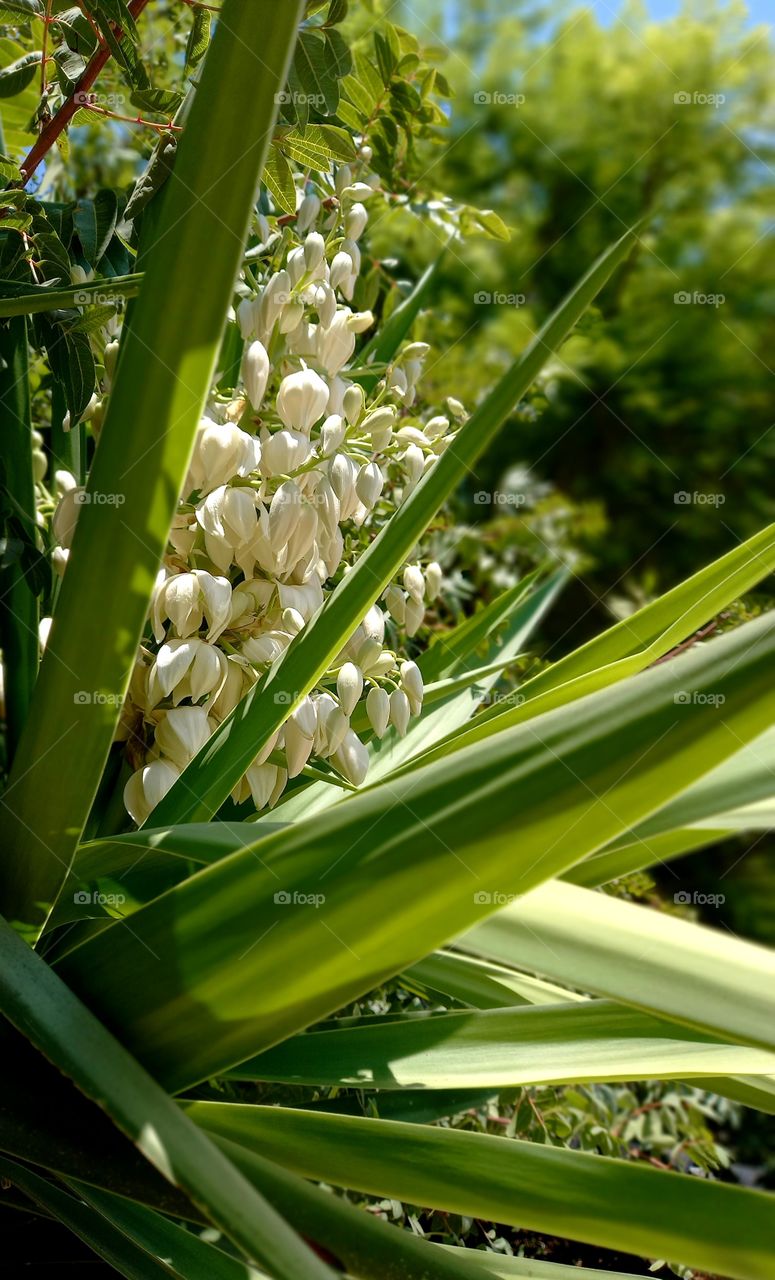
299 736
302 400
351 759
284 452
414 582
255 372
331 726
399 711
181 733
360 321
379 425
332 434
249 316
456 408
349 686
262 780
147 787
396 603
378 710
335 344
284 511
369 484
412 685
307 213
413 616
436 427
341 270
355 222
314 250
413 462
433 580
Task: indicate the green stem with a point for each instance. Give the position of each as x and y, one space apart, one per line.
18 603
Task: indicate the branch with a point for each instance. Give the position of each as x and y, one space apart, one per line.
64 115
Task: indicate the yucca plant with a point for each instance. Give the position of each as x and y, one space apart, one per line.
159 972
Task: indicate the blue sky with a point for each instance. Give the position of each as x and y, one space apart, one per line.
759 10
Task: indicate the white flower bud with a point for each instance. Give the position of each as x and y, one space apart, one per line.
396 603
456 408
110 358
433 580
248 316
399 711
325 304
351 248
369 484
255 373
435 427
412 685
349 686
59 559
415 351
413 462
332 725
307 213
352 759
341 270
355 222
291 315
302 400
352 403
332 434
356 191
415 612
66 515
344 176
284 512
379 425
284 452
299 735
44 630
314 250
414 582
378 710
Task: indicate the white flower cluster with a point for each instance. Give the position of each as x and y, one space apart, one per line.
289 479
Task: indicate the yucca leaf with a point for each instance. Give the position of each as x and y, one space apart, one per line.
107 1241
696 976
499 1267
44 1010
634 643
591 1040
209 778
169 350
615 1203
481 984
410 863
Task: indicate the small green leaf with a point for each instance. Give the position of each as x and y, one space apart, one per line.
279 179
17 75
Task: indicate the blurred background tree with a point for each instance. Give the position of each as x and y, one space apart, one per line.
571 124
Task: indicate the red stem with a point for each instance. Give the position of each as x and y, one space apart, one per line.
64 115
